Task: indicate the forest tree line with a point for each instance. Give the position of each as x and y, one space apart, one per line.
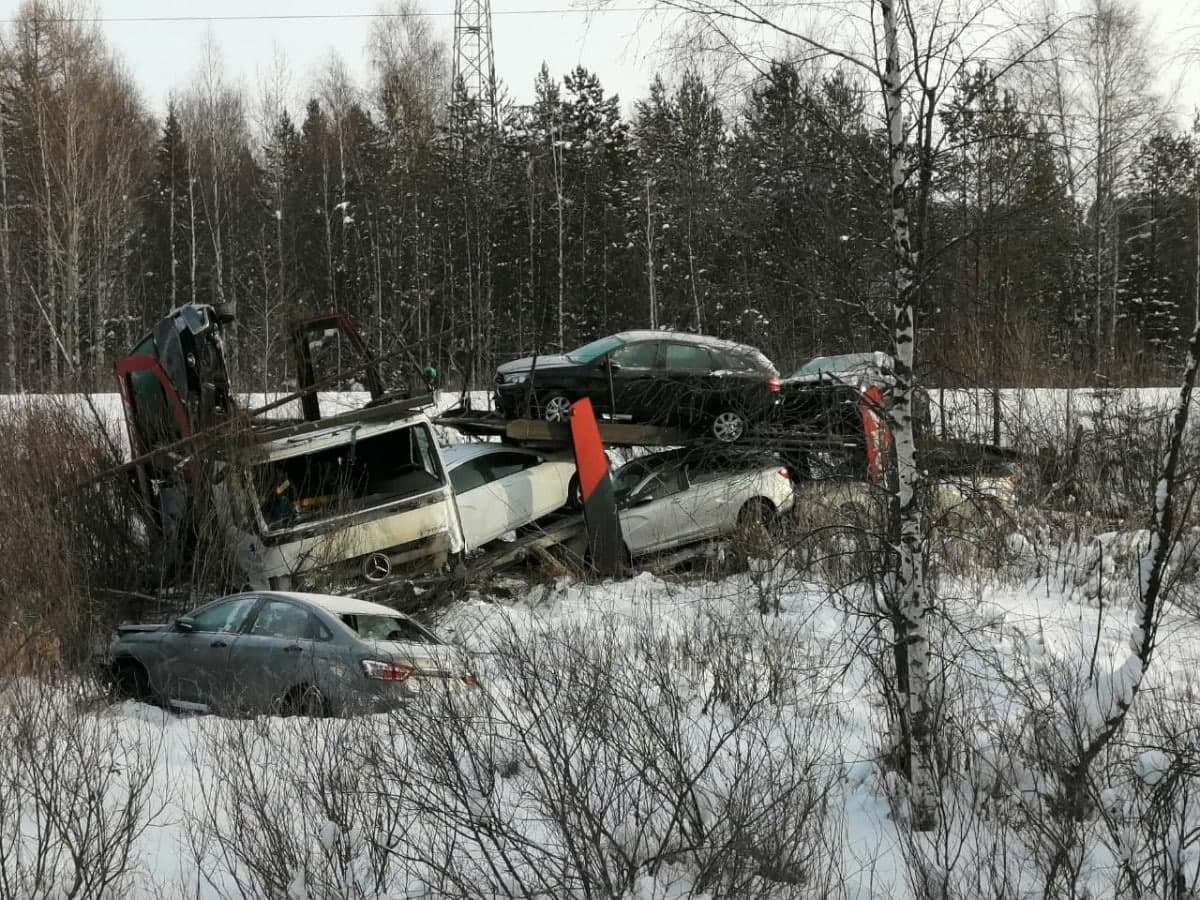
1058 240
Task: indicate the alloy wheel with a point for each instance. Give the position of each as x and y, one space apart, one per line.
557 409
728 426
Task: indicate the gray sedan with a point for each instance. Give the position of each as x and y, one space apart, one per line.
289 653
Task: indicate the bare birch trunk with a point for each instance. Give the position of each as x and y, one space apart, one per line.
192 240
650 259
910 597
171 234
692 275
558 156
1195 280
10 302
51 311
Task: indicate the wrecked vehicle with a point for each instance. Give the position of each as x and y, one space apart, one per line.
360 499
703 384
285 653
286 501
678 497
500 489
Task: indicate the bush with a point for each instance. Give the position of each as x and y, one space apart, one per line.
65 532
600 761
75 794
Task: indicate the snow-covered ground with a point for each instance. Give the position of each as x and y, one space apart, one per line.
654 739
1040 416
105 408
1030 417
666 736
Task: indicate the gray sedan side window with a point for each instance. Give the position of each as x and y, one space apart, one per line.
281 619
228 616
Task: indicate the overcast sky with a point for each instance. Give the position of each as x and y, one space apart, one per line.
161 40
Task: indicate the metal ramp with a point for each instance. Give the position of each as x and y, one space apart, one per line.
538 432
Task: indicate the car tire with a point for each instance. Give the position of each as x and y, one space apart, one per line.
555 408
131 681
574 494
728 426
754 525
304 700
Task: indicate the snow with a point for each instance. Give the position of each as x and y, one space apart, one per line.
1040 657
1152 766
106 408
1042 417
829 704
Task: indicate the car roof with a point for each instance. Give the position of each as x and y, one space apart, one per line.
846 362
752 459
339 606
685 337
457 454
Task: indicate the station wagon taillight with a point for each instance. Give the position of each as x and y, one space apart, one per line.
773 385
386 671
469 680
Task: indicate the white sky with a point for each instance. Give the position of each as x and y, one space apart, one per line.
163 55
621 44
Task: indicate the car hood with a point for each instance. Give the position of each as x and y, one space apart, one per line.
139 629
555 361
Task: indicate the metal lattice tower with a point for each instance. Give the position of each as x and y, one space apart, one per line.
474 62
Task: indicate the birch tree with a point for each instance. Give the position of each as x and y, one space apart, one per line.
913 55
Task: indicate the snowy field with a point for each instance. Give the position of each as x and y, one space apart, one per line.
1040 417
661 739
648 740
1030 417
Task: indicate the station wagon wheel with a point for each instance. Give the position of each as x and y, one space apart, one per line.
729 426
557 408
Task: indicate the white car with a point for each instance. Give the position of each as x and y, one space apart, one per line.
499 488
678 497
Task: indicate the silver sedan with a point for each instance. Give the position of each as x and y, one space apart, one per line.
286 653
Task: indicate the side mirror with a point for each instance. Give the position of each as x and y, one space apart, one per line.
185 624
611 364
642 500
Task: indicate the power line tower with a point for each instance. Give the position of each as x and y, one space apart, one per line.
474 62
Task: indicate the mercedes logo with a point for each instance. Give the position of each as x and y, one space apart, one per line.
377 567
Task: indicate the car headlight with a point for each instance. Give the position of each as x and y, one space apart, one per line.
516 378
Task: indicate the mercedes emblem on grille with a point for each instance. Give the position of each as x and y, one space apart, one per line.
377 567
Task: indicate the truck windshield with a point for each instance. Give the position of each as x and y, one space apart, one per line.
360 474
